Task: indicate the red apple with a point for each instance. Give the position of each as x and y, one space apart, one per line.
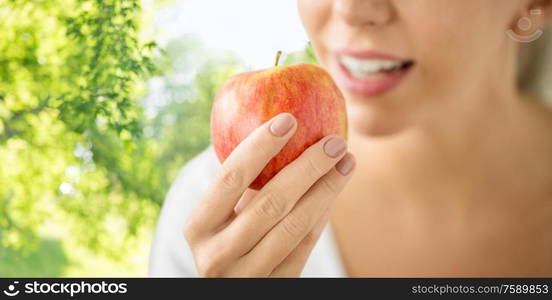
250 99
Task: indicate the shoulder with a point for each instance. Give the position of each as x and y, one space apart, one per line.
170 255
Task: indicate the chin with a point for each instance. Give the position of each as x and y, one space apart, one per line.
375 122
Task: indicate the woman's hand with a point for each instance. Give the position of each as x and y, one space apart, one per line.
234 231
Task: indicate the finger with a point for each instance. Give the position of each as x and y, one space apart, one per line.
277 198
293 264
245 200
289 232
240 169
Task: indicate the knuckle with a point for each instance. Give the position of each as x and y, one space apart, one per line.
208 272
312 168
190 231
211 263
310 238
209 267
231 178
262 146
270 205
295 225
329 186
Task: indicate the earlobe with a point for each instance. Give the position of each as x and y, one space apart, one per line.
548 13
529 24
542 9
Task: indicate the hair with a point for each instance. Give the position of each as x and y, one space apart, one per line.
535 73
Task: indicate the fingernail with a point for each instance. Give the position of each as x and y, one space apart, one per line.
346 165
334 147
282 124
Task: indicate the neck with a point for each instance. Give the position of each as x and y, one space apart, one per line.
492 146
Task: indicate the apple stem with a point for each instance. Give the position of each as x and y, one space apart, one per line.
278 55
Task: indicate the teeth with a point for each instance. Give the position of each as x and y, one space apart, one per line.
369 67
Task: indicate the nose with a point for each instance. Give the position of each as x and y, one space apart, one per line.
364 12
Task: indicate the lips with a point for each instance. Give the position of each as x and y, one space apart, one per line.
370 73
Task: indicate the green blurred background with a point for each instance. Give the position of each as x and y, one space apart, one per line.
94 126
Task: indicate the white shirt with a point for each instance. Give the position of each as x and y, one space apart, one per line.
170 254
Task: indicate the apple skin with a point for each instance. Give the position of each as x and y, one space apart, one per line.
248 100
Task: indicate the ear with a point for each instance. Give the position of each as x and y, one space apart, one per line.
541 10
548 12
534 16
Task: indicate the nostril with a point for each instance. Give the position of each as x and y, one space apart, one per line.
370 23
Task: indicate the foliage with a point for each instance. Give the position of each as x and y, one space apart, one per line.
95 123
305 56
69 124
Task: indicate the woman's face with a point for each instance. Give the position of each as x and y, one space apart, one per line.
403 63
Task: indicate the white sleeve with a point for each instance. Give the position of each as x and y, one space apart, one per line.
170 255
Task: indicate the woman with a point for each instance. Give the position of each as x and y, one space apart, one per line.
446 172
